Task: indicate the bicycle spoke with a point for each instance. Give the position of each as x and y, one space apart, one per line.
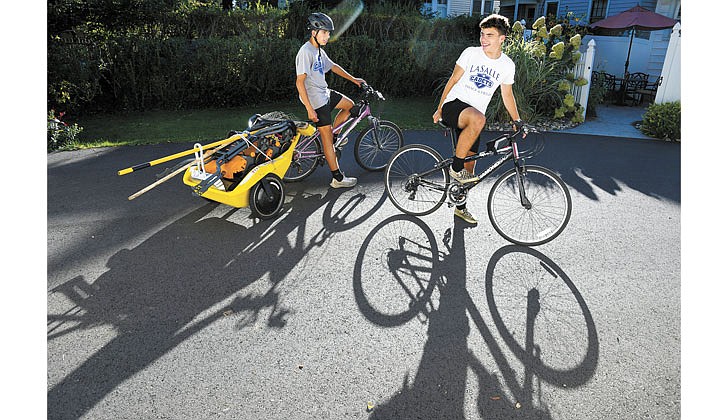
407 187
549 212
374 148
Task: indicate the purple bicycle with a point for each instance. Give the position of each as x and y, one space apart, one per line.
372 149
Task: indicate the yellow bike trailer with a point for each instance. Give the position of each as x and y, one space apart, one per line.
244 170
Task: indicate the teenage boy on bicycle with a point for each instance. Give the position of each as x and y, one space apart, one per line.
312 64
478 73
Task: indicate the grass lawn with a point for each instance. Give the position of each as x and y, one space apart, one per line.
207 125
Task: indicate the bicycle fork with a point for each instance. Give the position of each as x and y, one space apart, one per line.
374 122
520 176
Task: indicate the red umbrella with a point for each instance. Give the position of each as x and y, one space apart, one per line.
635 18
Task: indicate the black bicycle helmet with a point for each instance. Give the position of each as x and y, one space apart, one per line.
318 21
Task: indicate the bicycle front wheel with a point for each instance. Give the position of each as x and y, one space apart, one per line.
542 218
374 148
305 158
414 182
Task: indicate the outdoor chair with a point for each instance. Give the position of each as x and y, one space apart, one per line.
649 91
634 83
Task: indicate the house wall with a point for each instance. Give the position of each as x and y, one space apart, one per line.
661 39
459 7
582 8
578 7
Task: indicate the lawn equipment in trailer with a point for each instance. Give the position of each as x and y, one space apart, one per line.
244 170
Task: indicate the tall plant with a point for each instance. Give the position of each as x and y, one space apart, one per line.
544 73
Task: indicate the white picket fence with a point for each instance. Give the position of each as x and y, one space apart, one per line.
584 69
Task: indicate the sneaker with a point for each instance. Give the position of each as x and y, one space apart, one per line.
344 183
463 176
343 141
465 215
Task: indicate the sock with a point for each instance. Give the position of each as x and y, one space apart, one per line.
337 175
460 207
458 164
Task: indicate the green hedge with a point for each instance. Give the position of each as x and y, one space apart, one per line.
202 56
137 74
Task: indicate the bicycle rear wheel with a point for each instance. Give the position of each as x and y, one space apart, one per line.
372 153
305 158
414 183
543 220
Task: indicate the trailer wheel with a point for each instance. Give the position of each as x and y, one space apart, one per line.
266 197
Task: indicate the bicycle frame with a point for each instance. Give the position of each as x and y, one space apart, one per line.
353 122
511 153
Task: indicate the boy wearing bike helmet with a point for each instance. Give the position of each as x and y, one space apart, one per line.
478 73
312 64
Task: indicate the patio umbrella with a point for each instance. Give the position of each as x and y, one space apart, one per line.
636 18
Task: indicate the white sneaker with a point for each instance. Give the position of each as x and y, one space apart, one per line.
344 183
463 176
465 215
343 141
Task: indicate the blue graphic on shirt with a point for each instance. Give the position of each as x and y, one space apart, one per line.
481 80
318 66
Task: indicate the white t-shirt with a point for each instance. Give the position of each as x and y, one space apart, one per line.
482 77
315 66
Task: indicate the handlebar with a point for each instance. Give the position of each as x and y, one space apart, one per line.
370 91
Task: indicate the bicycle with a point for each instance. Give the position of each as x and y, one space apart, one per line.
372 149
527 205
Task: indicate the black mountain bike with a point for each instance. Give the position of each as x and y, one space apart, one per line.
527 205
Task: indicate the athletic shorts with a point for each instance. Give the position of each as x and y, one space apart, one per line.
324 113
450 114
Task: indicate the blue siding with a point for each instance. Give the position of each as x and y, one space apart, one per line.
616 7
580 8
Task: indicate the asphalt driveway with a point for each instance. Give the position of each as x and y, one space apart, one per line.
172 307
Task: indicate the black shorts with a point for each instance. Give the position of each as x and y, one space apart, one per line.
324 113
450 114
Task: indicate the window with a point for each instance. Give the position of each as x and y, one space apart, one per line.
481 8
552 8
598 10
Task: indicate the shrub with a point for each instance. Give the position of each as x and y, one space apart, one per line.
598 92
60 134
662 121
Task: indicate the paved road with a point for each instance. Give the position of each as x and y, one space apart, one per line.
172 307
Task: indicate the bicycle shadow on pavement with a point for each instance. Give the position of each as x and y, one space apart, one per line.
400 275
189 275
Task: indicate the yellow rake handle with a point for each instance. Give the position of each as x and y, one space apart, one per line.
178 155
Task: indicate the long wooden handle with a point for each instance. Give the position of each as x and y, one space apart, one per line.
178 155
173 174
160 181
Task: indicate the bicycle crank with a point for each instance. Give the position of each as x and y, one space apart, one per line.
456 194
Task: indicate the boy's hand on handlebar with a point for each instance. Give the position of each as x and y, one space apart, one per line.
437 116
359 82
519 124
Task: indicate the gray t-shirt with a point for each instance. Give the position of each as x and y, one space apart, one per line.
315 66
